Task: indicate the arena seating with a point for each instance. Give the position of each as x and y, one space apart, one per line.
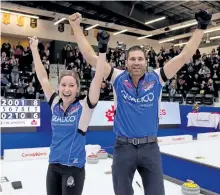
185 87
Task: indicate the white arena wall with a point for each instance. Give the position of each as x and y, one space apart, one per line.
208 50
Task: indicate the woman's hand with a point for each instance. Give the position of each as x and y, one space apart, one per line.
33 41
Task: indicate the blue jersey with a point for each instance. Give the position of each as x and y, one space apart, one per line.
137 108
68 128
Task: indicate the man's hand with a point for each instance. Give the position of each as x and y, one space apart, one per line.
103 39
75 19
203 18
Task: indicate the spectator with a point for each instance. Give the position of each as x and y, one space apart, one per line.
40 93
196 81
210 87
152 56
20 90
5 66
6 47
41 49
30 91
196 56
112 63
213 52
4 80
216 72
109 54
172 52
203 87
68 49
92 72
15 70
182 86
103 91
204 71
71 66
190 68
218 49
46 64
77 63
87 72
4 84
25 60
19 50
47 50
70 59
173 87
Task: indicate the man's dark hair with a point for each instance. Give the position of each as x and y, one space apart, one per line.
135 48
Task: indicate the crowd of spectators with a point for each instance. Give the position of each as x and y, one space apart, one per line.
18 76
201 73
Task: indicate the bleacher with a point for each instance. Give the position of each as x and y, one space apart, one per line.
198 81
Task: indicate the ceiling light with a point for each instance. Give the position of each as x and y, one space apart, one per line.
122 31
179 44
216 37
92 27
156 20
212 30
144 37
20 14
61 20
167 40
183 26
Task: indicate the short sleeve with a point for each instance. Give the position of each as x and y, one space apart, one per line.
114 74
54 99
157 71
87 112
90 105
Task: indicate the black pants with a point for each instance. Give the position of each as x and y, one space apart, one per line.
146 159
64 180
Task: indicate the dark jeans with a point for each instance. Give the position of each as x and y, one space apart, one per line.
146 159
64 180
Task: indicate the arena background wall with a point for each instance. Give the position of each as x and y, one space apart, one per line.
47 30
13 138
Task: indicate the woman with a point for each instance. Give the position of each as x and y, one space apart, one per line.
15 70
70 119
173 87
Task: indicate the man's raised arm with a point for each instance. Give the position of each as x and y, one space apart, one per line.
84 46
175 64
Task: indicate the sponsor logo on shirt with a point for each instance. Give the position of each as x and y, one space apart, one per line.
147 98
147 86
127 84
62 119
73 110
75 161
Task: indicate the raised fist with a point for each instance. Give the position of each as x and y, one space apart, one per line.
33 41
75 19
103 39
203 18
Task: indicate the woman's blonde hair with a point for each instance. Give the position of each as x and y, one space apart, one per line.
72 73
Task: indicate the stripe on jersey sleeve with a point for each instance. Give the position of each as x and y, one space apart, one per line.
54 99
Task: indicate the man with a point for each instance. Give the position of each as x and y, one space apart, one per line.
137 95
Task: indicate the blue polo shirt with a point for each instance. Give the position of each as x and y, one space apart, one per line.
137 108
68 129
